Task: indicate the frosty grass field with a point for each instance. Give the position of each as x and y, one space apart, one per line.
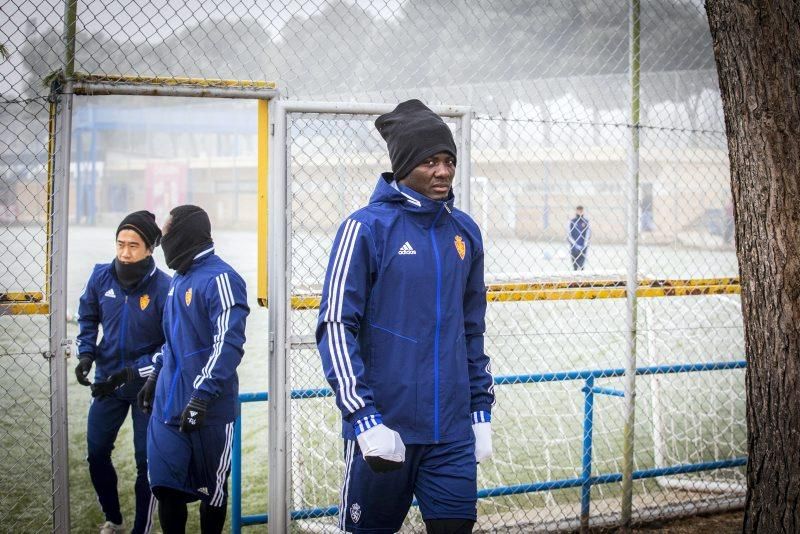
537 427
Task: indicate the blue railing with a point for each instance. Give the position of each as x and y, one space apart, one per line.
585 481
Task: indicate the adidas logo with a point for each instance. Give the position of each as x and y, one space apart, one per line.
171 291
192 413
110 293
203 490
406 249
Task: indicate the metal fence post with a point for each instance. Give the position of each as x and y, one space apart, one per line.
236 475
57 282
586 471
278 302
632 274
465 162
57 286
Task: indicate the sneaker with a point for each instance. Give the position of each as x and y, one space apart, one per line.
110 528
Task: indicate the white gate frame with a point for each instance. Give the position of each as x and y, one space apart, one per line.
279 292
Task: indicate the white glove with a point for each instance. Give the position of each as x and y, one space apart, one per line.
382 448
483 440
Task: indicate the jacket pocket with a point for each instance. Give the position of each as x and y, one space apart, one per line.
454 386
193 363
391 373
393 333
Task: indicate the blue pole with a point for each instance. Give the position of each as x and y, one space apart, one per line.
236 476
586 472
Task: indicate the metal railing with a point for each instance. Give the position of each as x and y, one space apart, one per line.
585 481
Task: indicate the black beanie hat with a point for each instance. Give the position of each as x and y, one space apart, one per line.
143 223
413 133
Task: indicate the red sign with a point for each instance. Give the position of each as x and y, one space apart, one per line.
165 184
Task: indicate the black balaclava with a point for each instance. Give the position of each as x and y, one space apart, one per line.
413 133
130 274
143 223
188 234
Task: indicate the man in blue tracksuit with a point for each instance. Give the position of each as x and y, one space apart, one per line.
400 333
127 298
579 233
193 390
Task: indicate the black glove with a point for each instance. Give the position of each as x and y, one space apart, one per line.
193 415
82 370
113 382
145 397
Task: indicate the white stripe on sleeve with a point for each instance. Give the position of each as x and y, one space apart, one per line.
226 300
337 340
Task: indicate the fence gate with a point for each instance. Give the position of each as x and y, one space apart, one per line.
328 168
32 310
33 290
564 347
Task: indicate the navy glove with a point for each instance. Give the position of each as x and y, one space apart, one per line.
113 382
193 415
144 399
82 370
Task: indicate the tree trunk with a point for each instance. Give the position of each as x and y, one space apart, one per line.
757 50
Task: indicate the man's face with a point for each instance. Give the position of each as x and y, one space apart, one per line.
433 177
131 247
579 212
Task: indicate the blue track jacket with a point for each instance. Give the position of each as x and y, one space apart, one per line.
131 321
204 322
401 320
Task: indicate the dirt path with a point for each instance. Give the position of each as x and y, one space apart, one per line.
728 523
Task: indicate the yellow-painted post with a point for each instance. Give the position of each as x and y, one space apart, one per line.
51 169
263 184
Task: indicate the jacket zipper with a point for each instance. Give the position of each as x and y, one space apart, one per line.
124 333
438 326
177 370
124 320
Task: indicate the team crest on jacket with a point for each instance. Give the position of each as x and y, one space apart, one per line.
144 301
188 296
355 512
461 247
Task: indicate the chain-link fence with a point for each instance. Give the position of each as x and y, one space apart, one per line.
557 340
24 330
32 434
550 85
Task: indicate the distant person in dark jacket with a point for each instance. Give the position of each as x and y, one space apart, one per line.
579 234
126 297
194 388
400 332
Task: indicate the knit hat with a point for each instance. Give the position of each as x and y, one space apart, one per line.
143 223
413 133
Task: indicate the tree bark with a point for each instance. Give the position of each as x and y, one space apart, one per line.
757 50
